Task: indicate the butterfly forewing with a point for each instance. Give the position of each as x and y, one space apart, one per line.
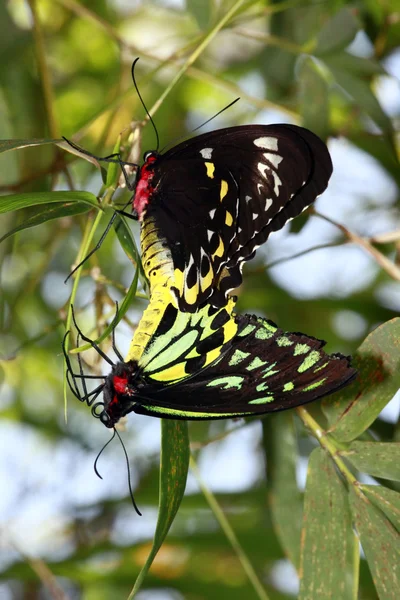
217 197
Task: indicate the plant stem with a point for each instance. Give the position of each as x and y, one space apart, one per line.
230 534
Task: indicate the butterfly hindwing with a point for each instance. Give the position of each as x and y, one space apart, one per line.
261 369
215 198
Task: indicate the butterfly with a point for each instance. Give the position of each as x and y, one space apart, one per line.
208 203
213 364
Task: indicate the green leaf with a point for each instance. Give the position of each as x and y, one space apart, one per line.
6 145
47 213
360 91
381 148
285 499
314 97
113 168
18 201
128 244
387 500
338 32
380 459
363 67
174 465
329 557
351 411
201 10
381 545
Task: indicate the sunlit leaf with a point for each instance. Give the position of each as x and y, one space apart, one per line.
381 544
18 201
352 410
6 145
329 560
47 213
374 458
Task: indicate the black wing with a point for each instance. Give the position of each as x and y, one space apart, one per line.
217 197
263 370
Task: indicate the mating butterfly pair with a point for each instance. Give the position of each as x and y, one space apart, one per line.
205 206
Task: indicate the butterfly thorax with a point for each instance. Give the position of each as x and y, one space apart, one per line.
144 187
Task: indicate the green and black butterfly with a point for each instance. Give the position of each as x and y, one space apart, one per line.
189 371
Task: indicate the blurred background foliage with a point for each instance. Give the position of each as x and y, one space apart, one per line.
331 66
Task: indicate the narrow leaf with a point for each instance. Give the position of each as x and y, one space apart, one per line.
128 244
362 67
360 91
48 213
113 168
375 458
18 201
381 545
338 32
351 411
174 465
285 499
314 97
387 500
6 145
201 10
329 558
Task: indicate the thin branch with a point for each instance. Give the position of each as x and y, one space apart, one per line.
365 243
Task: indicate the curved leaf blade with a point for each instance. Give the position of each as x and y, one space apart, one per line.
48 213
329 557
381 544
380 459
351 411
387 500
174 465
7 145
18 201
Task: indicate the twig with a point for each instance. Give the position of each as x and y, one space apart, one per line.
365 243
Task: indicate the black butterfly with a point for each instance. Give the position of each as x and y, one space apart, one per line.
209 202
210 365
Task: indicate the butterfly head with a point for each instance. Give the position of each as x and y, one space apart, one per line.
119 393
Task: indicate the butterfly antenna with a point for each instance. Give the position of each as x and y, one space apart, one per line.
114 324
91 342
129 474
216 115
143 104
100 453
183 137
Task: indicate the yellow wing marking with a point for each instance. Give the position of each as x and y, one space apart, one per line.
171 374
210 169
228 219
220 250
224 189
